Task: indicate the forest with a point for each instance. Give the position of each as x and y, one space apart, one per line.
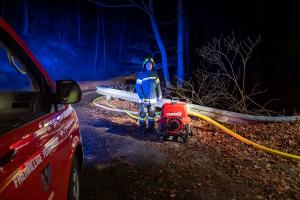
219 120
247 46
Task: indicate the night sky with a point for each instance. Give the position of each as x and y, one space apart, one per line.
125 37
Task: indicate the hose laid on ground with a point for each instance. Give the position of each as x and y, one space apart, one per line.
115 109
215 123
242 139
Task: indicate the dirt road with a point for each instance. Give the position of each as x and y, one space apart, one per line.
120 163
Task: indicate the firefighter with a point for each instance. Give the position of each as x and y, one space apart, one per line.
149 92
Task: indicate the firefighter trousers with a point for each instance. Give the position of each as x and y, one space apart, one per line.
147 110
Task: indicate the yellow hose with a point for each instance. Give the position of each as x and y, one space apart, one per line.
231 133
244 140
126 111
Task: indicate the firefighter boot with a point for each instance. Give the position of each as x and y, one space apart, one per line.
151 127
142 119
151 119
142 128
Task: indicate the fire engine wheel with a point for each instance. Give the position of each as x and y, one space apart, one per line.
73 188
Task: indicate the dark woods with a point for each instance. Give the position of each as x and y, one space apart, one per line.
85 40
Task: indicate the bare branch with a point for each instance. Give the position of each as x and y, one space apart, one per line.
143 8
132 4
225 85
111 6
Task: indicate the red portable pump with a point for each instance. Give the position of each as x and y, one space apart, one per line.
174 121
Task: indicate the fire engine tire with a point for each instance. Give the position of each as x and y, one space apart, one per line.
73 188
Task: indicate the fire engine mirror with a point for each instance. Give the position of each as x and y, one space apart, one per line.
68 92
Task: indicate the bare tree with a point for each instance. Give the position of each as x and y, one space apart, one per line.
149 10
180 64
26 18
3 8
231 57
224 85
78 20
104 43
97 46
120 84
186 41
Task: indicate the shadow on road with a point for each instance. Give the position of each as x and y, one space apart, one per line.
128 129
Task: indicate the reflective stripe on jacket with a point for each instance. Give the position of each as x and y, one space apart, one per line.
147 101
148 86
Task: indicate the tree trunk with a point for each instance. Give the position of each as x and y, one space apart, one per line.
78 21
97 46
180 65
186 38
121 41
160 44
104 44
3 8
26 18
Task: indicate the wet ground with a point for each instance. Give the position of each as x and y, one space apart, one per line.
121 163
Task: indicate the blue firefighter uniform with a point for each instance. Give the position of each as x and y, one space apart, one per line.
149 92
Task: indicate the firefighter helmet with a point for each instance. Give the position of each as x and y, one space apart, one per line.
148 59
